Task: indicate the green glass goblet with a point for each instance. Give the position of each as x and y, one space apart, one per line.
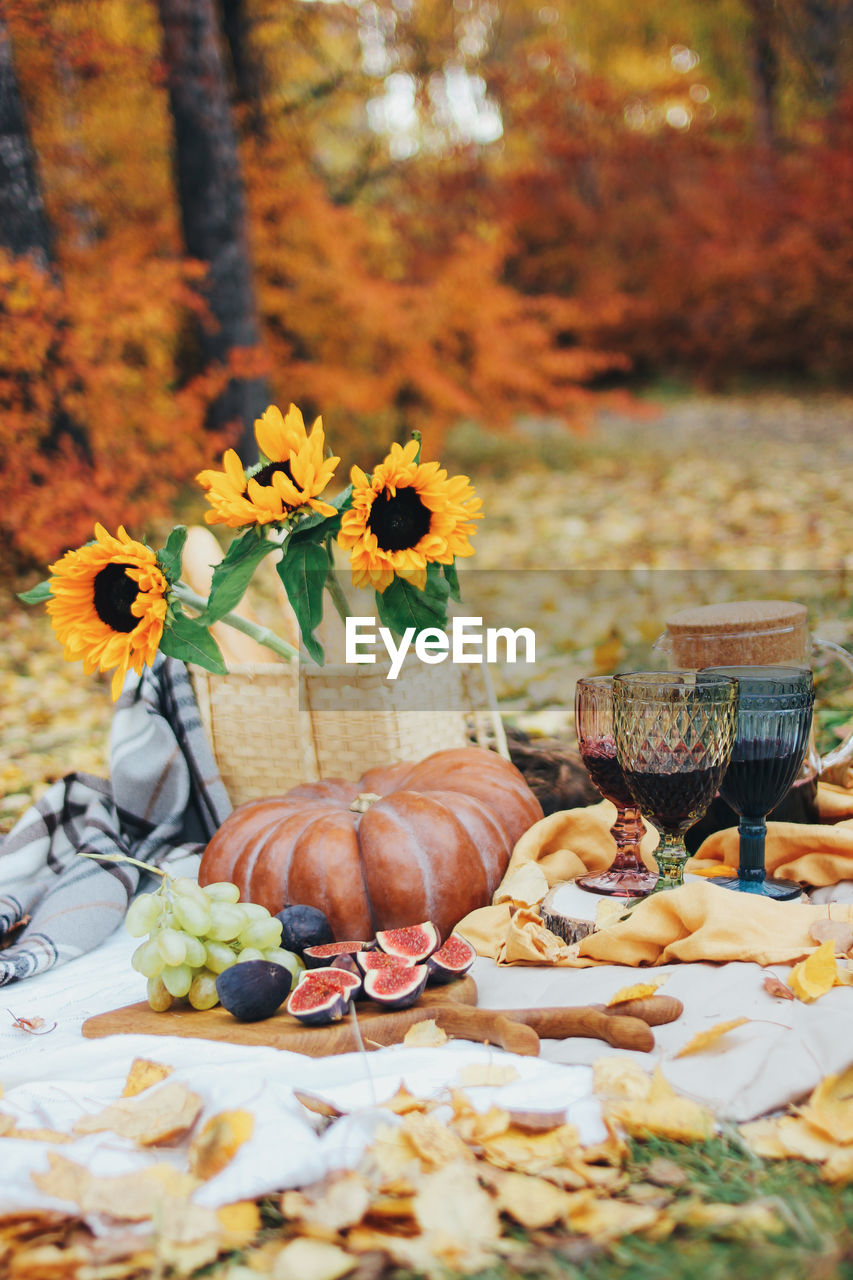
674 736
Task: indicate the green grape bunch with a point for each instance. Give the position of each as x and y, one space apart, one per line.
194 934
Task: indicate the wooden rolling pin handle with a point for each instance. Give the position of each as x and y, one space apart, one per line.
628 1033
655 1011
589 1023
487 1026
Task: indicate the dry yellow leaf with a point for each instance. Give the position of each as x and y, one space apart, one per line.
433 1142
839 1167
403 1101
830 1107
802 1140
218 1141
762 1137
531 1152
639 991
398 1210
738 1221
142 1075
393 1159
815 975
704 1039
36 1135
530 1201
131 1197
240 1222
318 1106
148 1119
425 1035
775 987
312 1260
620 1078
188 1236
606 1219
458 1219
339 1201
663 1114
486 1074
477 1127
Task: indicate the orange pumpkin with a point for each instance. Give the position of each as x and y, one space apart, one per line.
407 842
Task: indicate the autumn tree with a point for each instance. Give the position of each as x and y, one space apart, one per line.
212 203
24 226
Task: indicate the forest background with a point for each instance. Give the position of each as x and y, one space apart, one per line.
401 214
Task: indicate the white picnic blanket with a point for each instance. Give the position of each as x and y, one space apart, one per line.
51 1079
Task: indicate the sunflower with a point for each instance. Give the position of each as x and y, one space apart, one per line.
407 515
293 476
107 604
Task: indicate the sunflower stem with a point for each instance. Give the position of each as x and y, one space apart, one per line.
263 635
339 600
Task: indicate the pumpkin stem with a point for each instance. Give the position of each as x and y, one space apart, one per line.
363 801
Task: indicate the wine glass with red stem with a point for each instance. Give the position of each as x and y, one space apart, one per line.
627 876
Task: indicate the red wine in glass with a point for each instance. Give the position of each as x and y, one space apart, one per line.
627 876
674 800
775 708
674 736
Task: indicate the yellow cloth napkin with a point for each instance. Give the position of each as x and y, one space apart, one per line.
572 842
699 921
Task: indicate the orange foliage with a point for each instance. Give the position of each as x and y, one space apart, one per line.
693 252
390 343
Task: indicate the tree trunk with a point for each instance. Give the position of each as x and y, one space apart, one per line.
764 71
246 64
24 227
213 210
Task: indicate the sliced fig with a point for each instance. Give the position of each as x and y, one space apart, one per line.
316 1003
253 990
452 960
303 926
415 942
345 981
348 963
316 957
367 960
397 987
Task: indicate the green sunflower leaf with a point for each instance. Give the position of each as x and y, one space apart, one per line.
303 570
37 594
452 577
317 527
234 572
401 605
170 556
188 639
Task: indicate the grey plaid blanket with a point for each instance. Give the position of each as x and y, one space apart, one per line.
164 799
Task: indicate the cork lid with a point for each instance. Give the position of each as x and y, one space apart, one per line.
747 617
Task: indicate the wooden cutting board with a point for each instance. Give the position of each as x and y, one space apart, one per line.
282 1031
453 1007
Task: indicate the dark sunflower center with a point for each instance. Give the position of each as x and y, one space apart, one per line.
399 520
114 592
265 475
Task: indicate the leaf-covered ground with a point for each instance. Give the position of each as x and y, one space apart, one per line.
590 541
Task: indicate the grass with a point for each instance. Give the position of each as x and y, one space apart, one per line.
816 1244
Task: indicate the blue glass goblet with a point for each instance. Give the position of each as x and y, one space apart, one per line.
775 706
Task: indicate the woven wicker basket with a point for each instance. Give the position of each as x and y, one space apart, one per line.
274 726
